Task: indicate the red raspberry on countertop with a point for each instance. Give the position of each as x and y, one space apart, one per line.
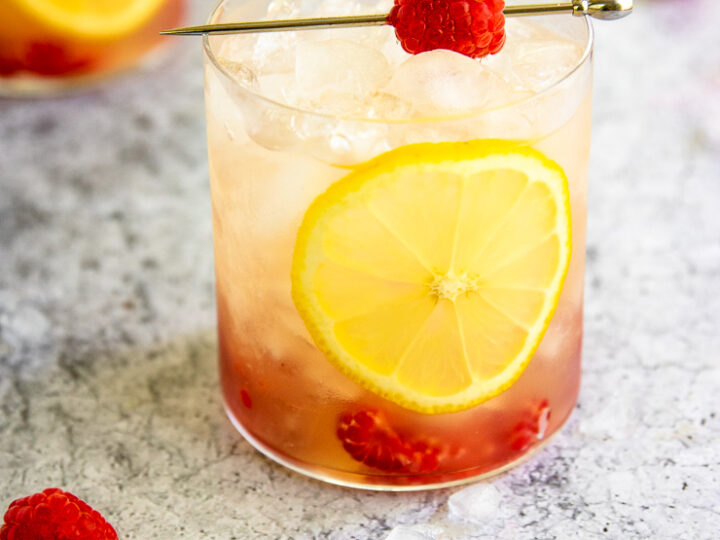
54 515
474 28
369 439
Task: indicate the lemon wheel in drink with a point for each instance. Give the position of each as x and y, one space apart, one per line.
429 274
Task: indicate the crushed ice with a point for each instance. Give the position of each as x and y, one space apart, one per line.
478 503
351 72
364 73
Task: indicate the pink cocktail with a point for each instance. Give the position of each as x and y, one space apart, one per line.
293 120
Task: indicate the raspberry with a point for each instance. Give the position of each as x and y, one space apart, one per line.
246 399
54 515
474 28
53 59
369 439
8 64
532 428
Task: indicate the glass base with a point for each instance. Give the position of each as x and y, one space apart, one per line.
385 482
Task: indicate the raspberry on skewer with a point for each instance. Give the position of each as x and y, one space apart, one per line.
474 28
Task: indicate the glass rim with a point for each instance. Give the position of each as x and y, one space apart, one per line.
208 50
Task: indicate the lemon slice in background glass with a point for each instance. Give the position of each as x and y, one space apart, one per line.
430 274
89 19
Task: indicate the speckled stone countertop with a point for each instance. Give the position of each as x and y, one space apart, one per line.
108 384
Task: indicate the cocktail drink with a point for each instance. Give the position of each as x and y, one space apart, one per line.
53 45
399 243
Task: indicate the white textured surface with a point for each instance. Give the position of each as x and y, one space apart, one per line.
108 385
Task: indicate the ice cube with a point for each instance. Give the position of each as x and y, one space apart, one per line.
283 9
337 67
363 36
539 63
279 87
517 32
240 72
274 52
523 29
415 532
444 82
476 504
234 49
272 127
392 50
382 105
326 8
343 142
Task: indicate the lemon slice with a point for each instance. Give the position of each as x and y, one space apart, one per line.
430 274
92 19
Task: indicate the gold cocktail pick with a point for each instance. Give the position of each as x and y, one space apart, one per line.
598 9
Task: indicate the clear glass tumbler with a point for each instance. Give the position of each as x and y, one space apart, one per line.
302 398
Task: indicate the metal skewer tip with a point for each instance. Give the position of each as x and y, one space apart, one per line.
598 9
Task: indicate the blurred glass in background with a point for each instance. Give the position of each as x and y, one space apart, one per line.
50 46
